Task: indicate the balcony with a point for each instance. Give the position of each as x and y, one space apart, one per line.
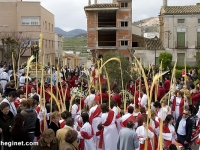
181 46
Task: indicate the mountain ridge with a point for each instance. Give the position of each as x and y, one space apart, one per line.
71 33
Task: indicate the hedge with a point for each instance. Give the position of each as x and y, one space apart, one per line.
187 67
178 73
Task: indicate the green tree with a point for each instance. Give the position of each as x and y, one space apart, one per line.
114 70
166 59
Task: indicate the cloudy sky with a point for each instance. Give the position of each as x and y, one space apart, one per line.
69 14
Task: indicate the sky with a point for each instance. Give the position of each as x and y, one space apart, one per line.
70 14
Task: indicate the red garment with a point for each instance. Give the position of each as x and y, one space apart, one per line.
107 123
167 85
96 79
155 136
141 118
75 81
123 124
82 102
29 86
70 82
181 105
137 95
16 103
47 95
64 94
103 95
86 136
131 89
117 98
195 97
95 114
62 124
142 146
161 93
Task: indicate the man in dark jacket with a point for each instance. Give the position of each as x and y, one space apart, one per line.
184 129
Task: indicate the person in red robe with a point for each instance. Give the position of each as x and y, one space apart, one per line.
131 87
117 97
167 84
169 133
141 116
161 92
64 94
75 80
70 81
104 94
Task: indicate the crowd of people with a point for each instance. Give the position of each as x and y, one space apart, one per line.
96 121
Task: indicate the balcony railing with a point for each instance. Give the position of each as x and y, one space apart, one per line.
185 46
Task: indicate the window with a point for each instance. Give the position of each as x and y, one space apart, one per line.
181 20
52 43
181 59
45 43
49 44
198 39
45 25
30 21
157 61
124 5
52 27
180 39
34 41
124 24
198 20
124 43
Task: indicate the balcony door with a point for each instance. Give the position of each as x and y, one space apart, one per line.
180 39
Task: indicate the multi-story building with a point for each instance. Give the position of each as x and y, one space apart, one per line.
58 49
109 26
180 31
29 19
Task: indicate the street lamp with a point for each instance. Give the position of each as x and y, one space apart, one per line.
155 39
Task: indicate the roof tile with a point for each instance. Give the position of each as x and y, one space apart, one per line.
102 6
181 9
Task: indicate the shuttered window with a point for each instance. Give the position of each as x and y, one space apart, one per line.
181 59
198 39
180 39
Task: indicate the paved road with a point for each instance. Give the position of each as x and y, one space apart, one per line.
195 147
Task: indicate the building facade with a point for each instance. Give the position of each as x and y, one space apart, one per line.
109 26
58 49
180 32
29 19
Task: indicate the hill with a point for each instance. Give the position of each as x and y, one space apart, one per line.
149 24
71 33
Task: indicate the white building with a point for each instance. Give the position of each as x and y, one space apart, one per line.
180 31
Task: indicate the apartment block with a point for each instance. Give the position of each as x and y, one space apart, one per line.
29 19
109 26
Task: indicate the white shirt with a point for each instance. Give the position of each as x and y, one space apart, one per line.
143 100
89 99
181 127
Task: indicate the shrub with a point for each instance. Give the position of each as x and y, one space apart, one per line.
166 59
178 73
